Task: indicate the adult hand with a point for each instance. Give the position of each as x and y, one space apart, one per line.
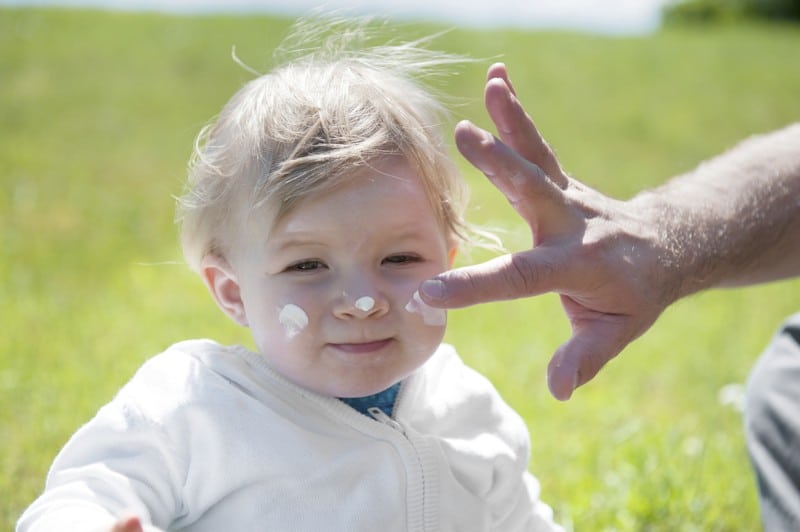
601 255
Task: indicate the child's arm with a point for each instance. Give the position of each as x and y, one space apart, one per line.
494 464
541 517
518 506
117 464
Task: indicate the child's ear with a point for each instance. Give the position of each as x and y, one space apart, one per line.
451 256
220 279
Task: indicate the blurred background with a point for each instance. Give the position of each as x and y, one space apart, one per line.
100 103
626 16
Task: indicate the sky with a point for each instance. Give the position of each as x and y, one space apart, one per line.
621 17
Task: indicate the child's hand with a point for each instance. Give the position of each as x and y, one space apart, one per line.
128 524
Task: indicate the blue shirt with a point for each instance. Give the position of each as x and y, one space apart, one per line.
383 400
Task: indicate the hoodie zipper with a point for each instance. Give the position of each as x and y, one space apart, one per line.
381 417
417 521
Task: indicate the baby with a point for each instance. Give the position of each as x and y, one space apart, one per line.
316 204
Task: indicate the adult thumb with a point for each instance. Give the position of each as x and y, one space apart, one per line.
581 358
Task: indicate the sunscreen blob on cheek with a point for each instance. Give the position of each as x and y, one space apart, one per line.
430 316
293 319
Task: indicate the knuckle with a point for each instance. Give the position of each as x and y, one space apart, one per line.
523 276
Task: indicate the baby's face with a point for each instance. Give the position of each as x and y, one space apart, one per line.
329 296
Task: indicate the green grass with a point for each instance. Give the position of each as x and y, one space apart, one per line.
98 112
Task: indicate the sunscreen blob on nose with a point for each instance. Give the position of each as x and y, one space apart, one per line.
364 304
293 319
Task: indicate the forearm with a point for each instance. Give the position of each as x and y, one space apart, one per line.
734 220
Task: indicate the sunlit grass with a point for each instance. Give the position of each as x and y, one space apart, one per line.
98 113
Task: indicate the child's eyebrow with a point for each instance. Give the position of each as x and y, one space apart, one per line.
412 233
294 241
401 232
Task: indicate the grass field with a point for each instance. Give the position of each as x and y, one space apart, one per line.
98 113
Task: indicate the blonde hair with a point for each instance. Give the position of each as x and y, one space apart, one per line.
305 126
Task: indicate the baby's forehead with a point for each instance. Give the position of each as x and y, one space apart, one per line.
294 190
388 189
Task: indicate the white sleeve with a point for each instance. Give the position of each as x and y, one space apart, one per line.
117 464
487 445
541 516
516 503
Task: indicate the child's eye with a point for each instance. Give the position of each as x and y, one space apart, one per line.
402 258
306 266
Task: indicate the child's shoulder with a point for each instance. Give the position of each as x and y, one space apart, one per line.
455 382
446 364
453 400
177 363
182 374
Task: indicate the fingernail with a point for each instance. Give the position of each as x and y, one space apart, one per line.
433 288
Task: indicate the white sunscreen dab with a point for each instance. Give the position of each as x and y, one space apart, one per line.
293 320
364 304
430 316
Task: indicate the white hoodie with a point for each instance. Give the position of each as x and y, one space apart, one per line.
209 438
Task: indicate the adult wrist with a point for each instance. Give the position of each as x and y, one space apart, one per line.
682 257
